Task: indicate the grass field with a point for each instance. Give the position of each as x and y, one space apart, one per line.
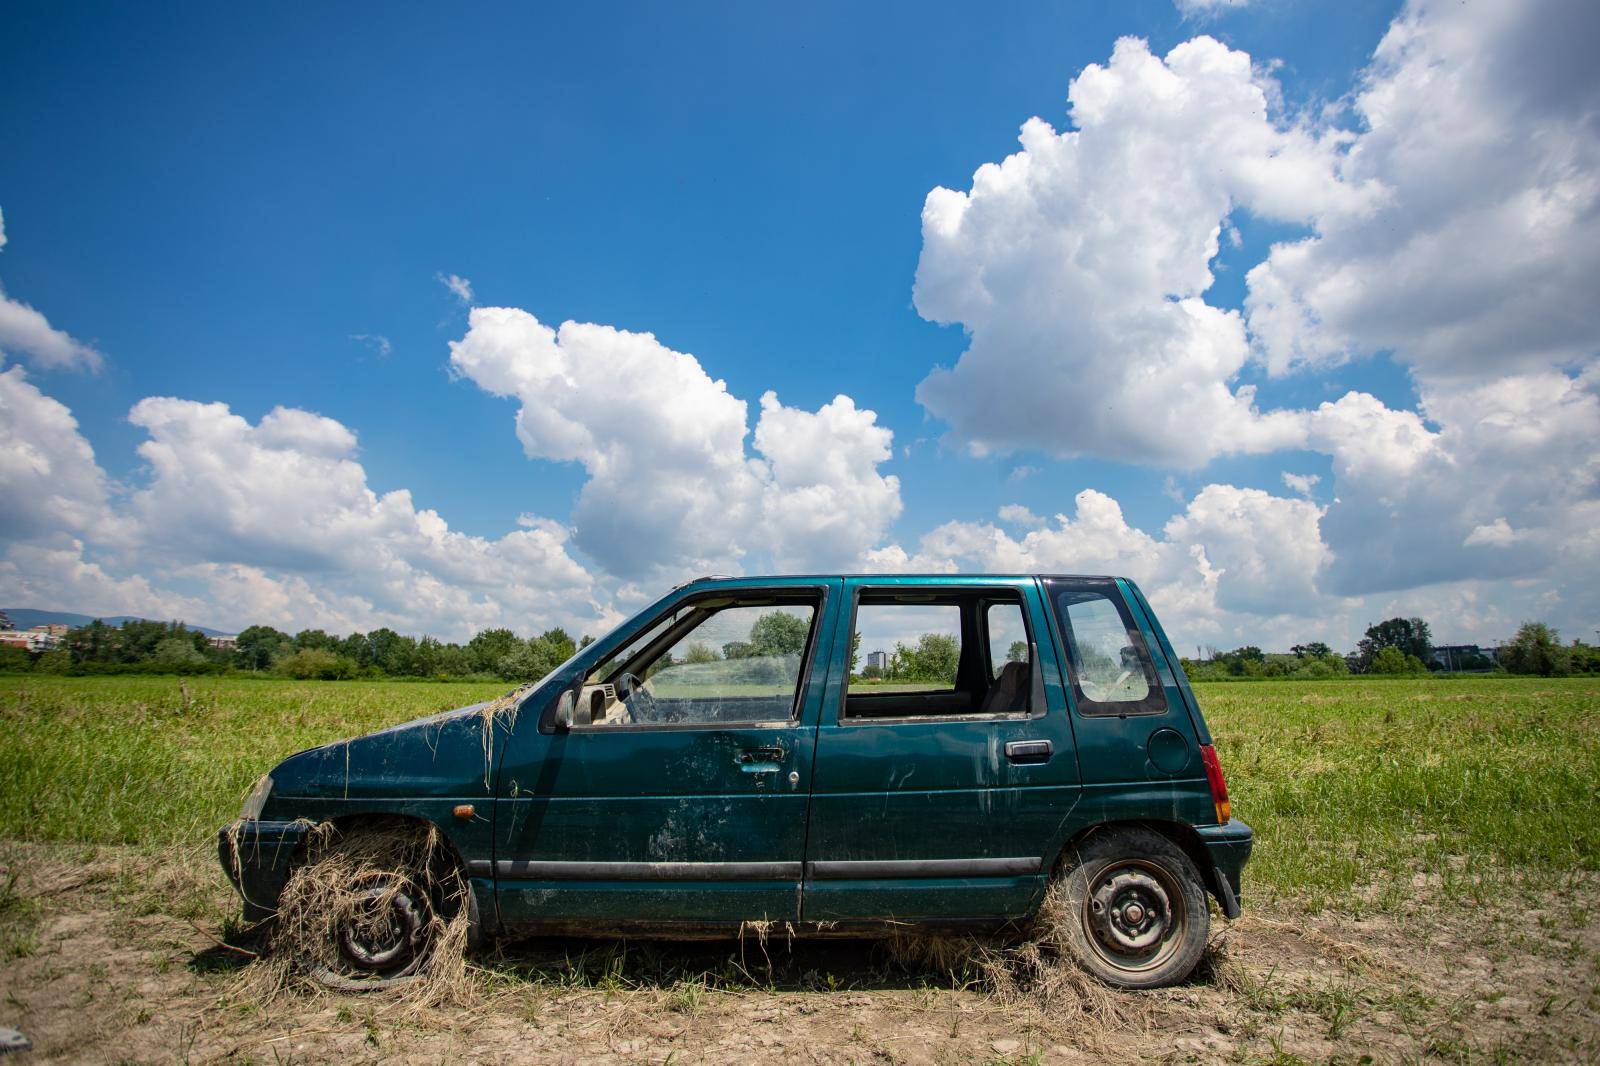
1354 788
1424 887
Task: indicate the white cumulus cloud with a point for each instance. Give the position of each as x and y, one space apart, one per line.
50 484
1078 265
672 488
26 333
1480 252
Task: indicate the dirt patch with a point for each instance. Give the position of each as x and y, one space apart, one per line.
108 955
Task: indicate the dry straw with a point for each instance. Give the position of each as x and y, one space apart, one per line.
347 880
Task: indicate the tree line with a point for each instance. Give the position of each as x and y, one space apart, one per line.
138 646
1393 647
1398 647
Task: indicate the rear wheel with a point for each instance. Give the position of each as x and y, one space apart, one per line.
1134 908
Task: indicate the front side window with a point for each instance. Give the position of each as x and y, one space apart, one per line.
1111 668
715 663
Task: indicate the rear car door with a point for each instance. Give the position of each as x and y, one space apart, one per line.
679 793
945 764
1137 742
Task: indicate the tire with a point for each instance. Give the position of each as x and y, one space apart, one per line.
367 910
1134 911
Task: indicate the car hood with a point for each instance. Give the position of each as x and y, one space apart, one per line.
447 754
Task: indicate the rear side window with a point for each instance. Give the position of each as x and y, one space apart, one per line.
1111 668
912 647
951 652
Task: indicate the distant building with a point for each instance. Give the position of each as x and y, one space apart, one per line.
39 638
878 660
224 643
1455 657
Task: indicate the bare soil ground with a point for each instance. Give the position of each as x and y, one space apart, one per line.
107 955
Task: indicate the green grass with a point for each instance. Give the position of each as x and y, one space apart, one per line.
132 760
1355 788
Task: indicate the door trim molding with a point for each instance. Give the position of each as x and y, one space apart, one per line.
872 869
522 870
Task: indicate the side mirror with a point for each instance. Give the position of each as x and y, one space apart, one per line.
564 710
570 712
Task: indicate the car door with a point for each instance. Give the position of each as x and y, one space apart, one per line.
679 792
939 785
1138 743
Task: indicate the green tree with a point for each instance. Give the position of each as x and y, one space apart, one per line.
315 638
549 650
1409 635
489 646
93 643
1315 650
1392 660
700 653
778 633
317 664
175 652
55 661
934 658
255 646
354 647
1583 658
1536 649
425 657
1018 652
454 661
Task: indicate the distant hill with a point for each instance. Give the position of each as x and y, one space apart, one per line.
27 618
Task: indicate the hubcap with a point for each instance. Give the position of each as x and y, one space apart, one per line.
1132 912
386 924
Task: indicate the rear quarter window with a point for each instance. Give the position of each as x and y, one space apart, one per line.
1108 661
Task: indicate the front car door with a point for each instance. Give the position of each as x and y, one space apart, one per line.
945 764
679 791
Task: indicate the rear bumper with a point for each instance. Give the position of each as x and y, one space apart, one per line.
1229 845
256 856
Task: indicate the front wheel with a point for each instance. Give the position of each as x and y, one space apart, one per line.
368 908
1132 908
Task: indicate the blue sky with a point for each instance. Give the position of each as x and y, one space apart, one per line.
234 205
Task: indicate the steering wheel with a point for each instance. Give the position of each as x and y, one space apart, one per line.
640 704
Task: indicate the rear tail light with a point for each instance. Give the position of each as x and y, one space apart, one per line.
1219 787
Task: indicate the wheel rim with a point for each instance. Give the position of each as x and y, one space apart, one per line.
386 926
1134 914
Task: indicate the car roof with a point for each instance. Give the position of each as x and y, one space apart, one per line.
898 578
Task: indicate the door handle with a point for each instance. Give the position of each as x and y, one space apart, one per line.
761 760
1028 751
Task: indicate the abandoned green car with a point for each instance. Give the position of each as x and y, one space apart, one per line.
838 755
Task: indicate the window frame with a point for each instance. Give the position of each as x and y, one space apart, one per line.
814 596
984 596
1154 701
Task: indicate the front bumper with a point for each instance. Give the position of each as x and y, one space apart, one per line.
256 856
1229 845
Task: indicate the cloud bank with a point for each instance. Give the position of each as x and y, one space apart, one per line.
1450 212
